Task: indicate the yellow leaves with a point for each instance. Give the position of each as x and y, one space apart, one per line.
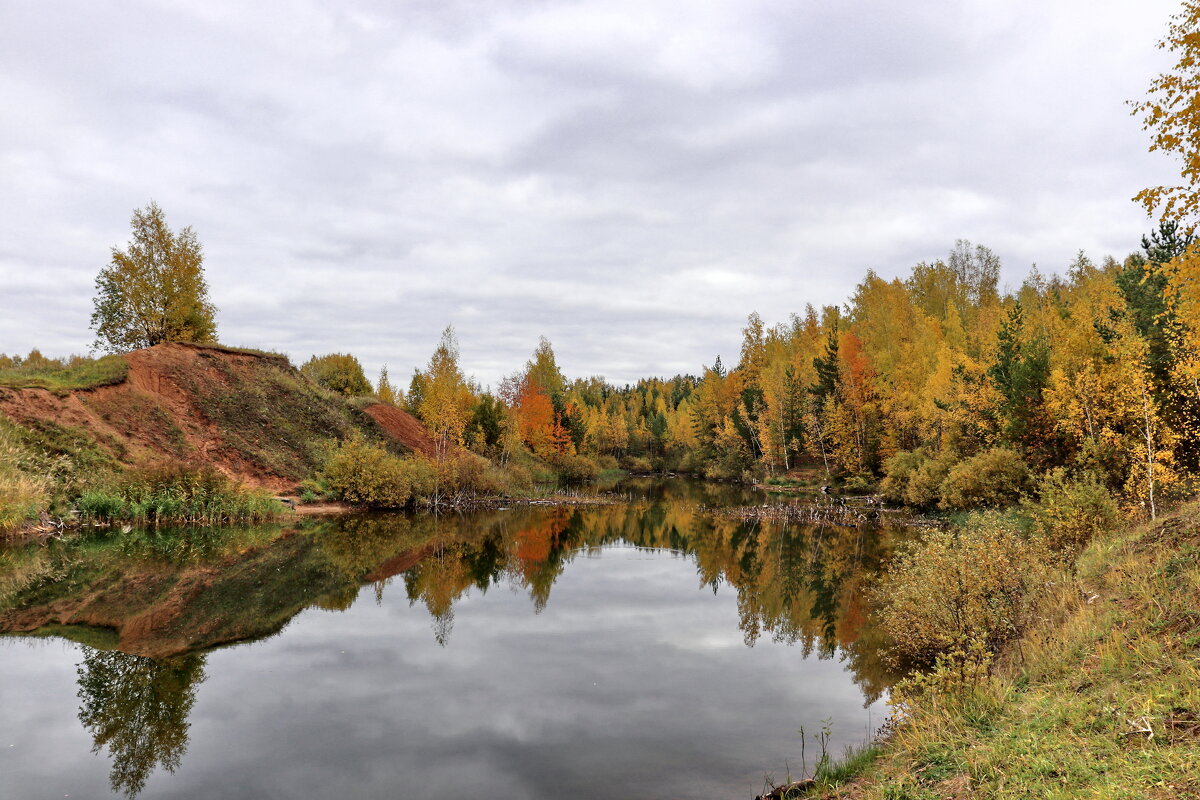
447 399
1172 115
386 391
954 587
154 291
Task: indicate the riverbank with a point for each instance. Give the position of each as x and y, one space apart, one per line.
288 507
1100 699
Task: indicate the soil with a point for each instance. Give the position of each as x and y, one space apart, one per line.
404 428
164 411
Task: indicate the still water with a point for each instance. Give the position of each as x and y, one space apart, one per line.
639 650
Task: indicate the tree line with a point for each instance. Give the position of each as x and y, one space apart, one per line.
1093 372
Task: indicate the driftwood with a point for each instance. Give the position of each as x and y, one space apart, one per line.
850 512
792 789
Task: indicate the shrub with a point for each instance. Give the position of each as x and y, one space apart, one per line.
420 476
574 468
366 473
1071 512
691 462
62 374
925 484
977 582
361 472
898 470
517 477
857 483
337 372
963 673
990 479
465 472
638 464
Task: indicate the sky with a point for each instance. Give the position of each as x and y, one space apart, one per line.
628 178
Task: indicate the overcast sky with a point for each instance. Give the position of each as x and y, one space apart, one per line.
628 178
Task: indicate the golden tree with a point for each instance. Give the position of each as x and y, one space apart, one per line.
337 372
447 398
154 291
386 390
1172 113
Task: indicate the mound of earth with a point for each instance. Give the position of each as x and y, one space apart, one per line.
404 428
252 416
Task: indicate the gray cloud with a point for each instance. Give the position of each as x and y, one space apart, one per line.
630 179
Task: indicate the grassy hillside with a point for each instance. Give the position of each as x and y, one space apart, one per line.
248 415
1101 699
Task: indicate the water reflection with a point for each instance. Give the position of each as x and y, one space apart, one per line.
800 585
137 708
169 596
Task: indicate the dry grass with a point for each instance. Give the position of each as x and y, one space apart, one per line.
1100 699
22 495
86 374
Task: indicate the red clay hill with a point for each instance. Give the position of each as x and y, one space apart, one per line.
251 415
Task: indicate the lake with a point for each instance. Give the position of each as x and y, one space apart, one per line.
642 649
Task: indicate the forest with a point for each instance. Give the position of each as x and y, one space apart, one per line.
939 389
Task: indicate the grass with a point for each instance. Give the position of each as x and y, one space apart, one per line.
24 494
1101 699
22 499
280 358
832 773
87 374
42 466
271 415
176 495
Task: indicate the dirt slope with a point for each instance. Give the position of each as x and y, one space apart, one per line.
404 428
252 416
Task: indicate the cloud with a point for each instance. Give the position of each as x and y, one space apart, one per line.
630 179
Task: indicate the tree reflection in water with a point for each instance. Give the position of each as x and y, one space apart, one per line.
137 708
800 584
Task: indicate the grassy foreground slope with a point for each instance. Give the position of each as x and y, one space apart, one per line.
1100 700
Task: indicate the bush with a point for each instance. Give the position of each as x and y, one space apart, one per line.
857 483
953 587
62 374
337 372
466 473
574 468
990 479
691 463
517 478
1071 512
361 472
898 471
638 464
925 484
607 462
365 473
420 475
